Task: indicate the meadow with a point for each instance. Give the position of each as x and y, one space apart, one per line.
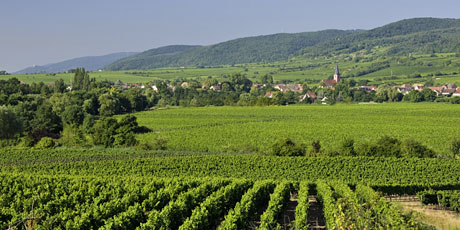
441 67
254 129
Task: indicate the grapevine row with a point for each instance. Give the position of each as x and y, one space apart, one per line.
245 210
213 208
270 218
446 198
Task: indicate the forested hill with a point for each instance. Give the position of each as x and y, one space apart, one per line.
418 35
266 48
152 58
90 63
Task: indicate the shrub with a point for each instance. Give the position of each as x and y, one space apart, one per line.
160 143
455 146
347 148
412 148
27 142
286 147
316 148
46 143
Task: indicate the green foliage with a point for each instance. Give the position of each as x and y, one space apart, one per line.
447 198
73 115
10 123
455 146
301 211
81 80
287 147
347 148
110 133
245 210
278 200
46 120
215 205
245 50
46 143
412 148
110 105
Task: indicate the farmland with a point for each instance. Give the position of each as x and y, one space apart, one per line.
253 129
441 67
125 189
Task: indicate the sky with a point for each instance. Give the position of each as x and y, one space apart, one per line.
38 32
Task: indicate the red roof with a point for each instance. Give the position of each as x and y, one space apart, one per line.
329 83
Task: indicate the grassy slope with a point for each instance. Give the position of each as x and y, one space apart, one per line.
250 129
297 69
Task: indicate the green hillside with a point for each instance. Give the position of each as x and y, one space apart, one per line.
418 35
410 36
267 48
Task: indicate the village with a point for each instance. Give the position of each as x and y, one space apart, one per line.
304 92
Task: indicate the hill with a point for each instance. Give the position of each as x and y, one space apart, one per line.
267 48
90 63
417 35
409 36
151 58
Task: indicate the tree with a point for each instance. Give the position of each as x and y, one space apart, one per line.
347 147
104 131
315 148
81 80
413 96
240 83
45 123
412 148
428 94
286 147
266 79
109 133
110 105
455 146
10 124
73 115
59 86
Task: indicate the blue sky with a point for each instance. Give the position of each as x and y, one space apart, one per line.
46 31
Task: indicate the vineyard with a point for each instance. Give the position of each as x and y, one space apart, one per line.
126 189
254 129
216 174
47 202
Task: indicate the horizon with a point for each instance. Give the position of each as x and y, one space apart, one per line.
50 31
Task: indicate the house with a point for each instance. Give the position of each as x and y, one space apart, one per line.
331 83
437 90
448 92
308 95
296 88
269 94
217 87
449 86
405 89
184 84
367 88
456 93
418 87
154 87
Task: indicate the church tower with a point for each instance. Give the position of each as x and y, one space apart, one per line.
337 74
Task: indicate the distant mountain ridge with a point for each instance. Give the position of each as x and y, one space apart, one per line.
417 35
90 63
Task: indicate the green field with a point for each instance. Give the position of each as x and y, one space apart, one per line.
254 129
125 189
298 69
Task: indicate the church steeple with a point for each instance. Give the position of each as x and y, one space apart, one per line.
337 74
